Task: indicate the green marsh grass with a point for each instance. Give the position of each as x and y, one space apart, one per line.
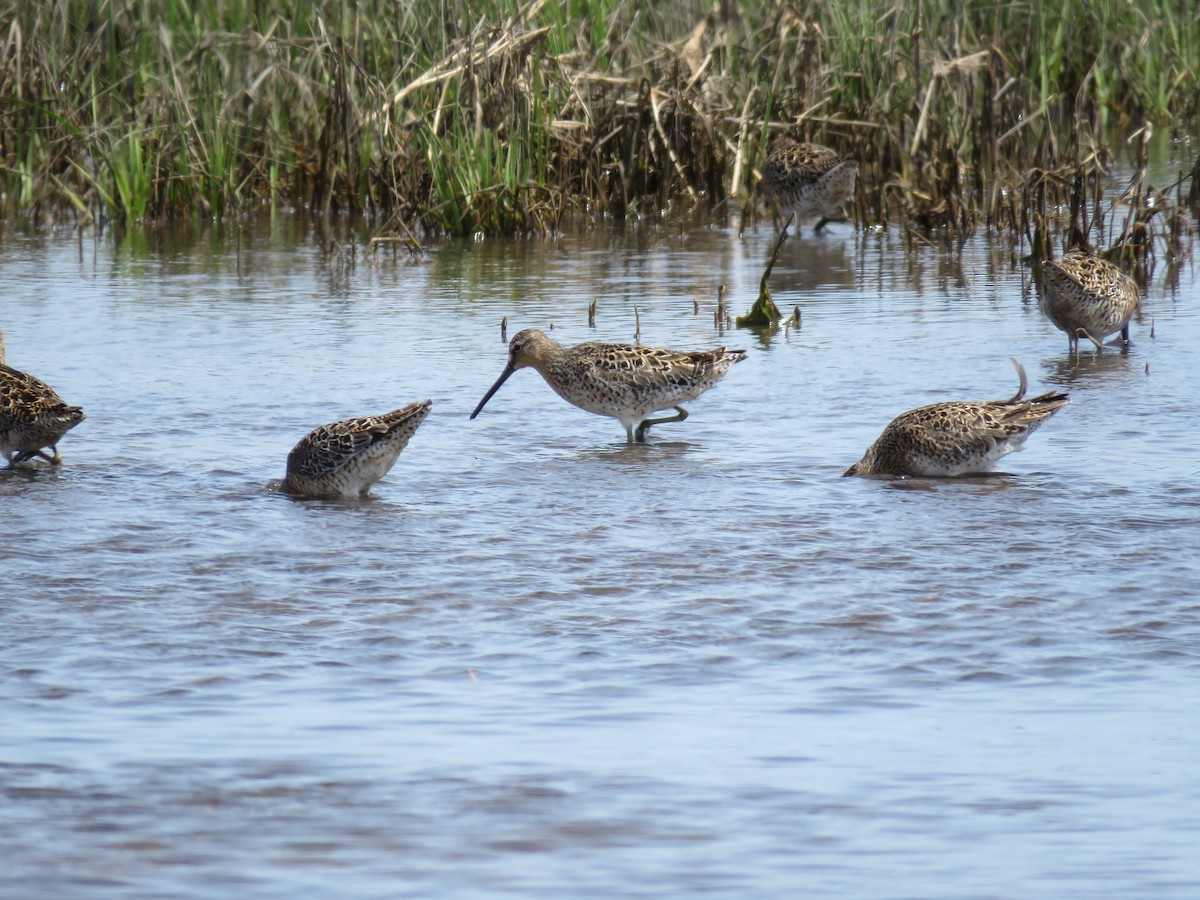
452 117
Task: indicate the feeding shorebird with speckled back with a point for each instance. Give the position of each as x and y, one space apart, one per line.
344 459
807 179
958 437
624 381
1087 296
32 416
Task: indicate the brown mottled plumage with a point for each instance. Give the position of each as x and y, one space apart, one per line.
958 437
32 416
623 381
345 458
1087 296
807 179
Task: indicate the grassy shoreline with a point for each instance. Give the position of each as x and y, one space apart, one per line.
429 119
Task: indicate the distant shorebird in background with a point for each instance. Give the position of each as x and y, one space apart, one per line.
957 437
807 179
624 381
1087 296
32 416
344 459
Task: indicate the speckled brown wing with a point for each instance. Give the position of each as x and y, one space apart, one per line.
1097 275
948 433
663 377
790 164
328 448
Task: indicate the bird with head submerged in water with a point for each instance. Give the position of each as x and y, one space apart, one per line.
627 382
32 416
1087 296
344 459
959 437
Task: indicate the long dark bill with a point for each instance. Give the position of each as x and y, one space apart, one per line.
508 370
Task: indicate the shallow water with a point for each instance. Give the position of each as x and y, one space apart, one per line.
544 663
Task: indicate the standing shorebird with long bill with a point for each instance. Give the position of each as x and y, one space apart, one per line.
624 381
959 437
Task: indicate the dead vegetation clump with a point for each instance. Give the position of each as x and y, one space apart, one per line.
457 118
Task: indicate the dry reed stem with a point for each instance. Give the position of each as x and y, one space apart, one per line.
735 186
969 63
656 108
447 69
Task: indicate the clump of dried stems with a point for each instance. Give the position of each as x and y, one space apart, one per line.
496 117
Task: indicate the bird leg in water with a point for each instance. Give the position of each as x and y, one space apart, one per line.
1083 332
26 455
640 437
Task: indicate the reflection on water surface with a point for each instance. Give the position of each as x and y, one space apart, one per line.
541 662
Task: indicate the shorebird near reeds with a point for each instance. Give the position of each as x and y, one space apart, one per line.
624 381
957 437
32 416
807 179
344 459
1087 296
